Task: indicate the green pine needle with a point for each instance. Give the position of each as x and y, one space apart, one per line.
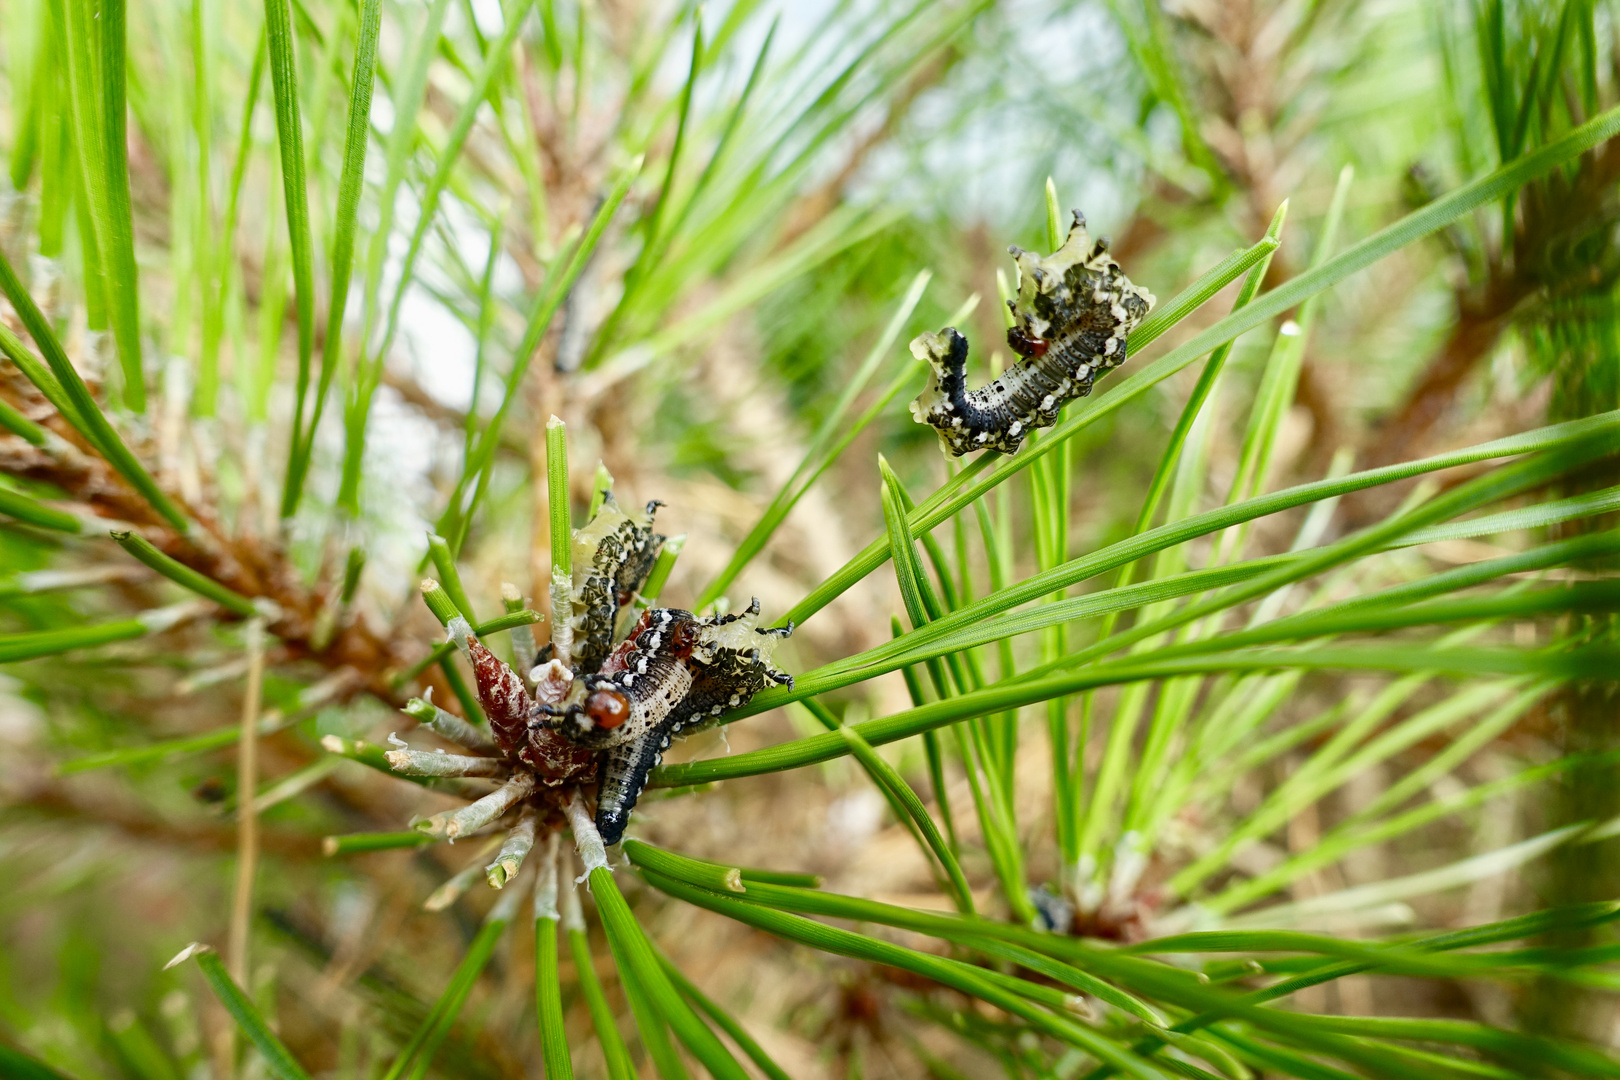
277 1059
144 551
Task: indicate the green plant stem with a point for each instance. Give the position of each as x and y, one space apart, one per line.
1506 930
37 643
637 962
354 565
723 1020
931 748
886 775
975 982
1176 532
557 286
615 1054
145 552
360 843
655 1041
526 617
496 58
370 755
278 1060
453 523
417 1055
16 504
655 239
817 457
601 487
711 876
1179 987
547 987
19 425
558 497
780 877
663 566
343 235
274 720
995 817
1054 217
561 588
40 375
1207 378
464 693
1582 662
696 872
294 187
20 1066
1497 484
66 387
445 562
95 49
547 302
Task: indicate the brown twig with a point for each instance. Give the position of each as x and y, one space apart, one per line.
247 815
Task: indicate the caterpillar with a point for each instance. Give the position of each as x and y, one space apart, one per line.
1072 314
637 690
638 681
675 673
613 554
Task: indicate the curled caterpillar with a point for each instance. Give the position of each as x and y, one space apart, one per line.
1074 311
679 673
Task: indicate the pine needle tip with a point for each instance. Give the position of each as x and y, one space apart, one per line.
196 948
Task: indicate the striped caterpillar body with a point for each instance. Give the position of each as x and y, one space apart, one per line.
638 688
1072 315
638 681
613 554
644 683
678 674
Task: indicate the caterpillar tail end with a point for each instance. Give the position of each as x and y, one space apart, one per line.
942 403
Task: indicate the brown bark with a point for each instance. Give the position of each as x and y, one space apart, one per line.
252 566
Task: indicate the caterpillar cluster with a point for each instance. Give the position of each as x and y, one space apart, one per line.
675 673
634 678
625 679
1073 312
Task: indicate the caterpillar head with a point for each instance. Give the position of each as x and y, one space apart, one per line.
606 708
593 716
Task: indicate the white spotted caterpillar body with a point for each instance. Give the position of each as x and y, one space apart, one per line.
679 674
635 687
636 683
1074 311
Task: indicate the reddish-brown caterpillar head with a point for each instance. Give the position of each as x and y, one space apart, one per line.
683 638
607 708
1025 344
